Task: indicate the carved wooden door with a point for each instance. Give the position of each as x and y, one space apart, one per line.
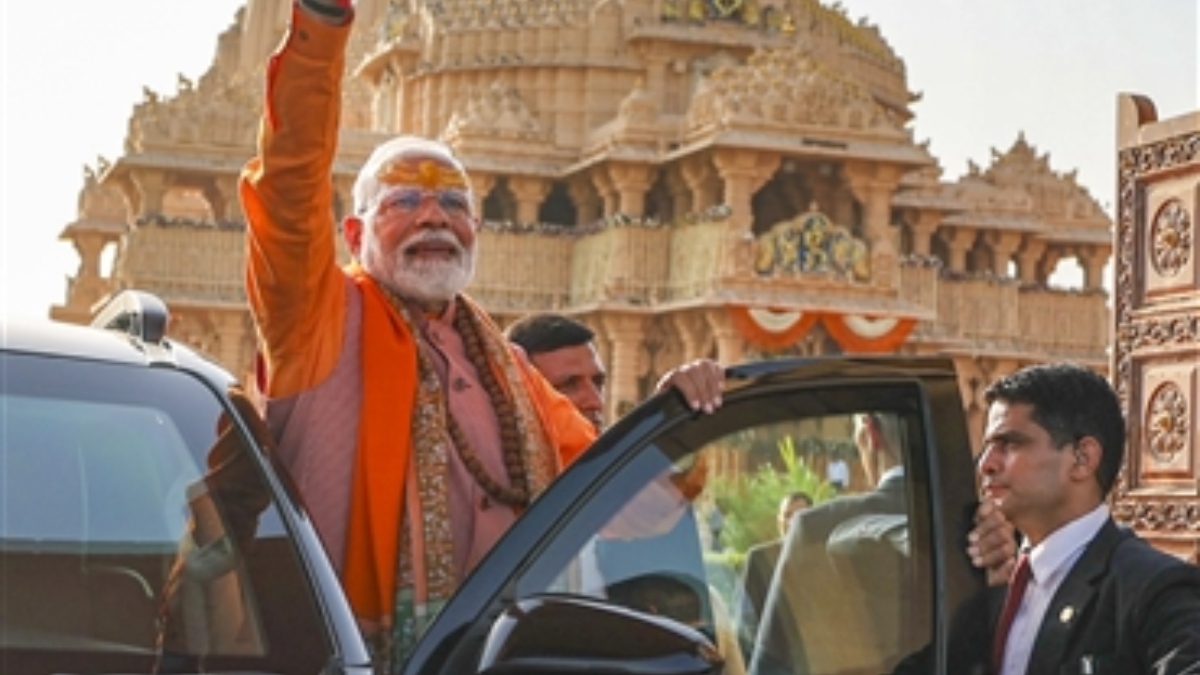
1156 302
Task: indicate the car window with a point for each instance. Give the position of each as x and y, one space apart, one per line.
137 530
688 528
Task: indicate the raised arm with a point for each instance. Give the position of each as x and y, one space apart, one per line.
293 284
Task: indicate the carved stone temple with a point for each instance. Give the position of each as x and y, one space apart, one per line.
731 178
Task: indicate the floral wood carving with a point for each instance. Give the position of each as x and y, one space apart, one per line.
1171 238
1166 423
1135 166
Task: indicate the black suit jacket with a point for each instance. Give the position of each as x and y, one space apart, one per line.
1124 607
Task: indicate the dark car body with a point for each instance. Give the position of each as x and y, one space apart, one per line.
142 526
618 567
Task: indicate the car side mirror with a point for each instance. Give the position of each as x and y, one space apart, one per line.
574 634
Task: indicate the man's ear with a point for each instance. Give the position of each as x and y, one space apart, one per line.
352 228
1086 456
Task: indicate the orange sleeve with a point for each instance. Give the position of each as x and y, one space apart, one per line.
570 432
295 289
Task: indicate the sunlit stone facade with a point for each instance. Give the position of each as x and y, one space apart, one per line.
725 178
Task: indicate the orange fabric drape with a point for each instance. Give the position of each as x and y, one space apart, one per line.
372 543
775 337
884 341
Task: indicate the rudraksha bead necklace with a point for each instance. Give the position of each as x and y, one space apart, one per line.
516 494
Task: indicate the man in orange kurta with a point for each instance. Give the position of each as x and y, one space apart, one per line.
414 432
366 368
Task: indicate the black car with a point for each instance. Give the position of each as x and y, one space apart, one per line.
144 528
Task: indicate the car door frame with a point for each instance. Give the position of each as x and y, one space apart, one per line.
944 465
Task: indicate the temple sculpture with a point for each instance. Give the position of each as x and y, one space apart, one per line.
729 178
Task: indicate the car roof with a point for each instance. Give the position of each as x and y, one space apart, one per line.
54 339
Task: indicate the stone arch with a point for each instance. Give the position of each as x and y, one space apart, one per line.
500 204
557 208
786 195
659 203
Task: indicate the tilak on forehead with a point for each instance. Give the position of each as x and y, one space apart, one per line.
427 172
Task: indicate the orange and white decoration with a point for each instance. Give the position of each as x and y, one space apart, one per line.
861 334
855 333
772 329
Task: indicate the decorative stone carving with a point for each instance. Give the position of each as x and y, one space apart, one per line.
213 113
638 109
812 244
1132 164
1159 331
786 87
1171 238
497 111
100 202
1166 423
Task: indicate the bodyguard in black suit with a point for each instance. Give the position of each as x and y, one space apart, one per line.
1100 600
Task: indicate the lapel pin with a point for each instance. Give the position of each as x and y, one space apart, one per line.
1066 614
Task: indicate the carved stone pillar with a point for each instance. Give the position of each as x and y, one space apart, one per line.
681 195
481 185
873 186
1027 261
700 177
958 241
529 191
693 334
743 172
604 187
150 188
1093 259
731 346
922 225
1050 261
624 333
631 182
1002 245
222 197
89 286
587 201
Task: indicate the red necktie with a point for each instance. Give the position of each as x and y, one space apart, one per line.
1012 601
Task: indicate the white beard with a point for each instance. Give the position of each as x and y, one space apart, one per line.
425 281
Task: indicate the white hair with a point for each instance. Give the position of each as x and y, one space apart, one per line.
367 187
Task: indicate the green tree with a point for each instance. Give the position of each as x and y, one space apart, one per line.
751 505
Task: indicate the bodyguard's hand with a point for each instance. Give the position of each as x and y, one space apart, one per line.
699 382
992 544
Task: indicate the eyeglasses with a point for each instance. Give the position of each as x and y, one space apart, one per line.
408 199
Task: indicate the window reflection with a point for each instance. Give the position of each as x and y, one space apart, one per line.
699 541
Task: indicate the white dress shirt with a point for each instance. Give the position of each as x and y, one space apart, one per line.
1049 563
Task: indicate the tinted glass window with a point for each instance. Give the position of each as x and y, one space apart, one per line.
690 528
136 529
